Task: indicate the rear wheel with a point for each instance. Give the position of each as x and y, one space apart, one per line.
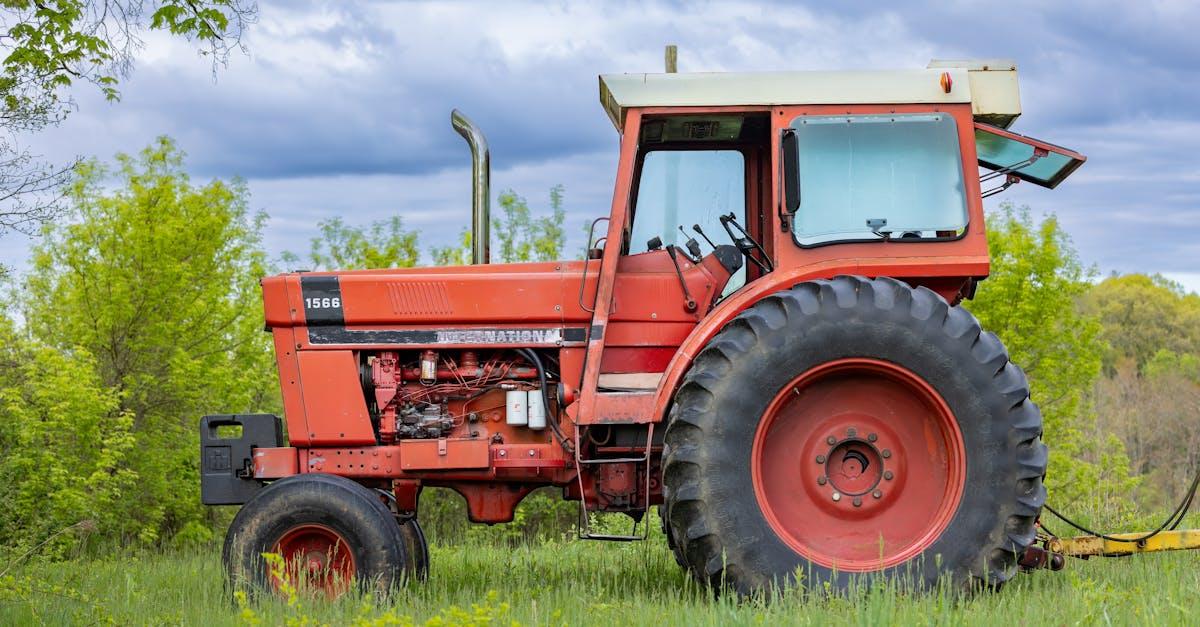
853 428
676 552
330 532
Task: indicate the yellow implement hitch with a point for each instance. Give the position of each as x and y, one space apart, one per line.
1125 543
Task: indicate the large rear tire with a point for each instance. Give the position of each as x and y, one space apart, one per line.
331 532
853 429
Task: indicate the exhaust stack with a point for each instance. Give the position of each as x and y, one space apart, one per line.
480 186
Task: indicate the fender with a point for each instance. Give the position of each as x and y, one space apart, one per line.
911 269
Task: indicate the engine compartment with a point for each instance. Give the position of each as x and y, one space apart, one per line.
499 395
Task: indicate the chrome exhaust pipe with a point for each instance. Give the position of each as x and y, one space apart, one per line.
480 186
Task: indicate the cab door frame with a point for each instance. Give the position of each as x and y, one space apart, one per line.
619 223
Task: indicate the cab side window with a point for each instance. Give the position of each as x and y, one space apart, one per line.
686 187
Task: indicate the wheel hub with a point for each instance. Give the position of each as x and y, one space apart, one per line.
853 467
834 455
315 557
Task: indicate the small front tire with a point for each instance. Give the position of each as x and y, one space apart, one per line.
331 533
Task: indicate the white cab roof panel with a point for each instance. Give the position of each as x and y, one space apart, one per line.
620 92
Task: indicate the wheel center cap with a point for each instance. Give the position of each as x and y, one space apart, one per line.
854 467
316 561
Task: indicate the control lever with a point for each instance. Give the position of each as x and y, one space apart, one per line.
696 228
689 302
745 243
692 245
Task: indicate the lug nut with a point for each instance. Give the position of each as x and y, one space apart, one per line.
872 437
851 432
820 459
831 440
887 474
821 480
886 453
857 502
837 496
877 494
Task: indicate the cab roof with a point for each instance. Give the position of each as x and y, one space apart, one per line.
989 85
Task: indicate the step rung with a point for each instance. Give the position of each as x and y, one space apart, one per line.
616 460
611 538
631 381
628 407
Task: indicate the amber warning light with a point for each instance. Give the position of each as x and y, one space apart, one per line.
946 82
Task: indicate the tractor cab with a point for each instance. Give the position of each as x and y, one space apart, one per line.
798 169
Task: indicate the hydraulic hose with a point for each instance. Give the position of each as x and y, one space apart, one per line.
1172 521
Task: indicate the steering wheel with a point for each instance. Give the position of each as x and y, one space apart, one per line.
746 244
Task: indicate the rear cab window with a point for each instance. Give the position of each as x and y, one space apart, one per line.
894 177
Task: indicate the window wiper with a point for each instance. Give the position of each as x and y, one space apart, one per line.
877 228
876 225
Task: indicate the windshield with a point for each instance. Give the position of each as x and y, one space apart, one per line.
869 177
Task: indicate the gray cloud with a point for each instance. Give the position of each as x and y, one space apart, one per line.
341 109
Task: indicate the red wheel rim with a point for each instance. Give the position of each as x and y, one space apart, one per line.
315 558
858 464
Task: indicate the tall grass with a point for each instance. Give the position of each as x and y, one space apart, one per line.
579 583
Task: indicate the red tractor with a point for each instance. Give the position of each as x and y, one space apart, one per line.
763 340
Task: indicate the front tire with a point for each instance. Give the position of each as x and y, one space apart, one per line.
331 532
853 428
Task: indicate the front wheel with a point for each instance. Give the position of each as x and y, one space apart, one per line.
328 532
853 428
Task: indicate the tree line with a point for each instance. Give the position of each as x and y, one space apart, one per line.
141 312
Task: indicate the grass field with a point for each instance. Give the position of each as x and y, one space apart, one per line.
582 583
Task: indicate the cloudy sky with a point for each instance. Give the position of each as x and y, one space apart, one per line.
342 108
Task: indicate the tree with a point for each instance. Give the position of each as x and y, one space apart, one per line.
1154 413
157 280
49 45
67 447
520 235
1031 302
1141 315
455 255
385 244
